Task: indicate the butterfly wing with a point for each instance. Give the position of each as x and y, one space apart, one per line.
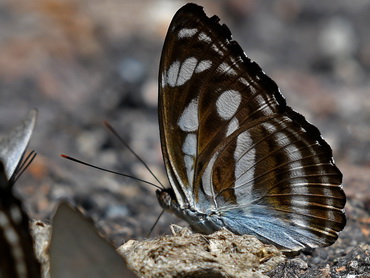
231 145
77 250
13 144
17 257
197 115
285 187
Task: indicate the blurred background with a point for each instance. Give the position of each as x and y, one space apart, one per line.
81 62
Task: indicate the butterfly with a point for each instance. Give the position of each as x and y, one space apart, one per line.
76 248
236 155
17 258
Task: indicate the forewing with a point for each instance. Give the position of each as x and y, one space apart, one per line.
13 144
207 89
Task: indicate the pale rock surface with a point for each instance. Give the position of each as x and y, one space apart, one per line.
185 254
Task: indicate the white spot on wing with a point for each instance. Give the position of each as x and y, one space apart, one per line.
207 176
244 157
233 125
244 81
224 68
3 220
189 165
203 65
189 119
187 70
295 155
215 48
172 74
260 100
244 142
190 144
272 128
228 103
164 79
11 236
190 149
187 33
204 37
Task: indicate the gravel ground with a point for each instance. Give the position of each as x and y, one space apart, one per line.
82 62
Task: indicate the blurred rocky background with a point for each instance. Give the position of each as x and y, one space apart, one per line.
80 62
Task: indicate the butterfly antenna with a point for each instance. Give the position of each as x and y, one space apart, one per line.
22 167
111 129
109 171
155 224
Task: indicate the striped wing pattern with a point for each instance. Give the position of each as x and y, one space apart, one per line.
233 150
17 257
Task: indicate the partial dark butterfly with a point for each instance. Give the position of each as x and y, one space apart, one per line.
17 257
235 154
76 248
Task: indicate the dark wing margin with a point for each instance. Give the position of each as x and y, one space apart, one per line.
231 144
199 49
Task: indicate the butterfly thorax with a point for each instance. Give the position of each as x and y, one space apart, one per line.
200 222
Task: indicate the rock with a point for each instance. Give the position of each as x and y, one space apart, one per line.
187 254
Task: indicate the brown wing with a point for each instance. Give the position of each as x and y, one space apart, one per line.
231 145
197 115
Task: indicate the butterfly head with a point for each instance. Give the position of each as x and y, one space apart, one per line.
167 199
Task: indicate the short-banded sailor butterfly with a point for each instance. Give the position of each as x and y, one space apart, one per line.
235 154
